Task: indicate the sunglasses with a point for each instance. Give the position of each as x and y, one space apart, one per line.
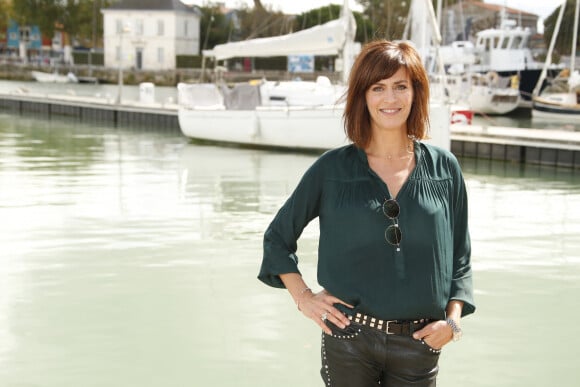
393 234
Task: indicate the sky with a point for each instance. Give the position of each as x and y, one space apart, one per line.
542 8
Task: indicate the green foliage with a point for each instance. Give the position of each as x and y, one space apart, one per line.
188 61
316 17
82 58
81 19
271 63
214 27
564 40
5 9
386 19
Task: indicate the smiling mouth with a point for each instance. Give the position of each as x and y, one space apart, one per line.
389 111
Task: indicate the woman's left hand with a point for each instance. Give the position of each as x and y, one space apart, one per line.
435 335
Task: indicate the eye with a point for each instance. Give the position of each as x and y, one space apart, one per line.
377 88
401 87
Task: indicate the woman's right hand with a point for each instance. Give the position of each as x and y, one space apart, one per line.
319 307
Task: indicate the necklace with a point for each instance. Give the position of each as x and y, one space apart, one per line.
407 153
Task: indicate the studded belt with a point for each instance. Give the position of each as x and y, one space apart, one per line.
390 327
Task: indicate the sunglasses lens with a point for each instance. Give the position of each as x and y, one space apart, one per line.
391 208
393 235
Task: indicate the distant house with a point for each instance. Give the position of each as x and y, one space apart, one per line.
23 40
149 34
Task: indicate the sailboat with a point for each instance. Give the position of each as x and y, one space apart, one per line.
292 115
560 99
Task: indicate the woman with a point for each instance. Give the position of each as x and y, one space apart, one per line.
394 248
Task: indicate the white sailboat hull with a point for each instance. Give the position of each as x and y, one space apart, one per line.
561 106
297 128
303 128
488 100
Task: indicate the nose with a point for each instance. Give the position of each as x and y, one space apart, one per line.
389 95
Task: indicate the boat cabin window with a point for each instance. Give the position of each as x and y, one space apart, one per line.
504 43
487 44
517 43
496 42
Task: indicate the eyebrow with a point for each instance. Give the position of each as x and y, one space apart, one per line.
396 82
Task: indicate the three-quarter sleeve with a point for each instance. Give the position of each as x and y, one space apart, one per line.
462 282
281 236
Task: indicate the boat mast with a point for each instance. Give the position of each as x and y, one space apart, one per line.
548 61
348 50
574 39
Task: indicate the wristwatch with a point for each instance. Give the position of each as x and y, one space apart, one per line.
457 332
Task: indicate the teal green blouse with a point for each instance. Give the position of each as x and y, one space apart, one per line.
355 262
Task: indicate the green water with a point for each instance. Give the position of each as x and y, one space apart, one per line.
129 259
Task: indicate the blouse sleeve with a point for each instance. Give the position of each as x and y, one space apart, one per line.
281 236
462 283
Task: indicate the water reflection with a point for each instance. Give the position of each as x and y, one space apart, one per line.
245 185
129 258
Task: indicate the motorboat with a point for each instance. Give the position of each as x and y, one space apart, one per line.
54 77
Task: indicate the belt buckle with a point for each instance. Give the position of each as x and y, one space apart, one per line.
387 327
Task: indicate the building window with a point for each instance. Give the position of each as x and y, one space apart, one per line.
119 26
160 55
160 28
139 27
25 34
185 28
118 53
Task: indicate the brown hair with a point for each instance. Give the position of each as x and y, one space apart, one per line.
379 60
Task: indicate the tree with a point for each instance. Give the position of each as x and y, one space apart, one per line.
5 9
564 40
215 27
42 13
388 18
80 19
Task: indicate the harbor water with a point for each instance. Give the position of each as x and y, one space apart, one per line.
129 258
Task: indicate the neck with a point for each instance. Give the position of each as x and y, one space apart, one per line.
392 148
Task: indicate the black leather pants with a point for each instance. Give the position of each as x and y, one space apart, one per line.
359 356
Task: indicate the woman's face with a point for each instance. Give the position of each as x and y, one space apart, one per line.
389 102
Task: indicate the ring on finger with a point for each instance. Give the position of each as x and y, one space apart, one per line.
324 316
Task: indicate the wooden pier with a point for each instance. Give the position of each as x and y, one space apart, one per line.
558 148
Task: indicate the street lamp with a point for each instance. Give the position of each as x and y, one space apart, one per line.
126 29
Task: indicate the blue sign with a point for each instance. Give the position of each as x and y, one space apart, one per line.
301 63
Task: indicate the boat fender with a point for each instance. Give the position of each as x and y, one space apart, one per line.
255 127
515 81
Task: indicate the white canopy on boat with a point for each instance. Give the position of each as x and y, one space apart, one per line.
325 39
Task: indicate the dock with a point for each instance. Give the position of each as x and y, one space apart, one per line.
98 110
557 148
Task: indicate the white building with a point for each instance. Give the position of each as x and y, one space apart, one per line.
148 34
